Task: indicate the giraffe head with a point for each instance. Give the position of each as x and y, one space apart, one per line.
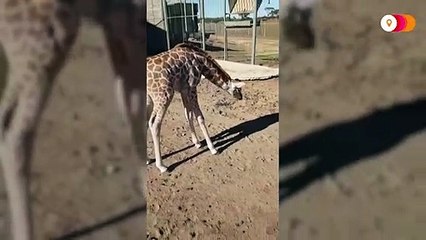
215 74
234 88
211 69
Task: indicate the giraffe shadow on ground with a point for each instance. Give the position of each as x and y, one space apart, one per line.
327 150
103 224
228 137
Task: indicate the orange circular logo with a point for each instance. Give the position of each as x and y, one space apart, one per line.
398 23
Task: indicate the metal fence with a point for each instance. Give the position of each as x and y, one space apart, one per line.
268 29
182 19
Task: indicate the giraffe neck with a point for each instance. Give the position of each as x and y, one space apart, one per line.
213 72
209 68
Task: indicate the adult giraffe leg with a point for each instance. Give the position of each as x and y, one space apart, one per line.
34 57
125 31
15 149
20 110
13 162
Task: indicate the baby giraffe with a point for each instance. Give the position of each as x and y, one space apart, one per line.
180 69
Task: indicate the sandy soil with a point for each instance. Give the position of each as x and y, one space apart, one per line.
352 127
231 195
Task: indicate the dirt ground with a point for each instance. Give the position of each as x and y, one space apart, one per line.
231 195
352 127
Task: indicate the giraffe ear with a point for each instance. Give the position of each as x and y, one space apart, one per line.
239 84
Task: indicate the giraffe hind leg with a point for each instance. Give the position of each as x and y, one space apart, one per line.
200 119
201 123
189 115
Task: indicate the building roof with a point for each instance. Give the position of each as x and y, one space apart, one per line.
243 6
180 1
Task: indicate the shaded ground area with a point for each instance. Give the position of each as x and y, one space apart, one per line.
231 195
352 128
84 169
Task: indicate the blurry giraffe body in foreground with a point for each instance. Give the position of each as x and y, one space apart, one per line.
36 36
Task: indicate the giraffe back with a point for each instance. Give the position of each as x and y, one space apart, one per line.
182 67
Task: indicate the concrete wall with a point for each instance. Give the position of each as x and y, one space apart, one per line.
157 41
154 13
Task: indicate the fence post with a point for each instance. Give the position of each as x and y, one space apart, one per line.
225 34
253 49
203 26
166 22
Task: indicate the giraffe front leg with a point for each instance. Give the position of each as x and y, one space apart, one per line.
155 127
201 123
200 119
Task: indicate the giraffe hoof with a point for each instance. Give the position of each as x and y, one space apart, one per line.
162 169
149 161
197 145
214 151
